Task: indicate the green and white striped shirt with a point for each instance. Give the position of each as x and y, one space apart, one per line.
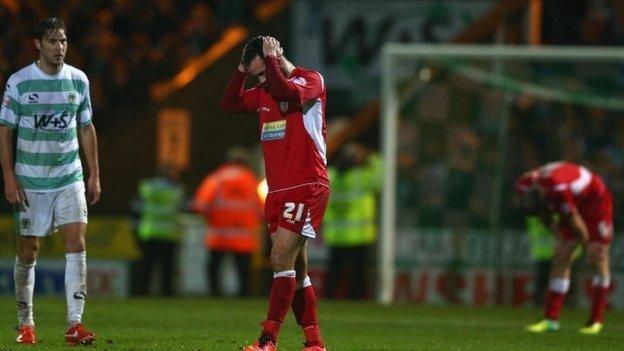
47 112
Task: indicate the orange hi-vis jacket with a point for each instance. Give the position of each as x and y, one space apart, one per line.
229 200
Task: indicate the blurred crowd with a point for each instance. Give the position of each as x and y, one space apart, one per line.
583 22
124 46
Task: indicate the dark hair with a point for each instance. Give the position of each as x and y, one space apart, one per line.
48 26
252 48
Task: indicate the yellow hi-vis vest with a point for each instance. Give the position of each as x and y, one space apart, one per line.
350 218
160 203
541 239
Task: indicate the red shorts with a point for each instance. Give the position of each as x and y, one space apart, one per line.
599 220
299 209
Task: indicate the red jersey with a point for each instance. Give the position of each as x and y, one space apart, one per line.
292 123
572 187
567 185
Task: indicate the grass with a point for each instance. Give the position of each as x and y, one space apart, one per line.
227 324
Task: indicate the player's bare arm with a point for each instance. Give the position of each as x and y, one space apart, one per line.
88 142
12 189
579 227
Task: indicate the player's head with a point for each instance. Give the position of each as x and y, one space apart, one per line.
253 56
531 194
51 40
534 202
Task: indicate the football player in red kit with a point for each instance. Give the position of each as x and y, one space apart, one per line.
290 102
585 210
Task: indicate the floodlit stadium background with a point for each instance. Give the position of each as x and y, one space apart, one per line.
158 70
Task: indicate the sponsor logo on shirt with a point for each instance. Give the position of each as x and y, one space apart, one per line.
49 120
33 98
273 130
265 109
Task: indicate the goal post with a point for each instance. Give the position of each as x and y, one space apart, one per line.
459 123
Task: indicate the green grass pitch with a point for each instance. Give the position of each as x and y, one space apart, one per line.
196 324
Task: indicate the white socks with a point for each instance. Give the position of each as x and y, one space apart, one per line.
24 278
285 274
603 282
75 285
75 288
559 285
304 283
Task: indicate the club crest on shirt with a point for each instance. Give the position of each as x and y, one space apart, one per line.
72 98
25 223
283 105
300 81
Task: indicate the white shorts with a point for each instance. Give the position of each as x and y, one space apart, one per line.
47 211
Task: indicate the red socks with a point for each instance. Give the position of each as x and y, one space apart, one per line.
599 303
303 301
304 308
554 303
558 288
282 292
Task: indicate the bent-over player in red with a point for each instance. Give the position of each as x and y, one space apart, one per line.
585 210
290 102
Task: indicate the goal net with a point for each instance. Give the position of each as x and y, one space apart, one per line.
459 124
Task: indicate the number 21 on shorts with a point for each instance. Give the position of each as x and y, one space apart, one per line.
289 207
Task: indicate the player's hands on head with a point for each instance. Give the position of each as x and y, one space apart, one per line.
93 190
271 47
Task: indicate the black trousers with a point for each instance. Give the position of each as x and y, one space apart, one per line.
157 252
348 263
215 261
542 278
